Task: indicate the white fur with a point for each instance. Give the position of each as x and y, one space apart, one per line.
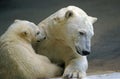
18 60
63 30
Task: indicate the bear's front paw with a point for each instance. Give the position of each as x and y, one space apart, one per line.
75 74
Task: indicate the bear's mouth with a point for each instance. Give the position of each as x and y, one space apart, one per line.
83 53
79 52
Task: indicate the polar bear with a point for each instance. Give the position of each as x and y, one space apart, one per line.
68 36
18 60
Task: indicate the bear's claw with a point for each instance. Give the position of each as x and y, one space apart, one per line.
76 75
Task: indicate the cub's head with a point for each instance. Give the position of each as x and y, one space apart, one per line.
27 31
73 25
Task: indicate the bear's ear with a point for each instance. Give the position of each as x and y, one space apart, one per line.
92 19
68 14
24 33
16 20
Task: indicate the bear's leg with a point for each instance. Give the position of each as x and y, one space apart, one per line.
51 69
76 68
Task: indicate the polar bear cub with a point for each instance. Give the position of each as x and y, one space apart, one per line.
18 60
69 32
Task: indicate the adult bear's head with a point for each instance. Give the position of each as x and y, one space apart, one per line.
72 25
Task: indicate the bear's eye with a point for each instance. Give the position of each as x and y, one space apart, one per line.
37 33
82 33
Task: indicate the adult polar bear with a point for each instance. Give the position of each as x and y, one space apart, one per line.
68 35
18 60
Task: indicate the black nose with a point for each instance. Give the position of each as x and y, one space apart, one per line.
38 40
85 52
44 37
41 39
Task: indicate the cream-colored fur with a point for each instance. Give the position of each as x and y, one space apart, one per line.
69 32
18 60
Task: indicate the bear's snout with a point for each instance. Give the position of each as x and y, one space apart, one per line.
43 38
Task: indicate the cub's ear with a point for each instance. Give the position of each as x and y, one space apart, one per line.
92 19
68 14
24 33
